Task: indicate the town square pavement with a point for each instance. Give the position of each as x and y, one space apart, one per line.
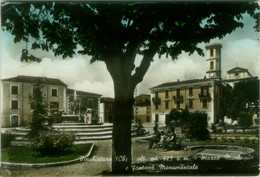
96 164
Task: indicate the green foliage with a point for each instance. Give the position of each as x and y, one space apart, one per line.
198 125
245 119
39 113
247 93
94 27
194 124
233 111
6 139
27 155
52 143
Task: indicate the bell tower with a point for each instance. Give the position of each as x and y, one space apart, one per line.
213 60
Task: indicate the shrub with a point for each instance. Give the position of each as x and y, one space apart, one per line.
245 120
6 139
199 124
53 143
193 124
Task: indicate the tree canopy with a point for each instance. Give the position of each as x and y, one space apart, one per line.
117 32
245 95
108 30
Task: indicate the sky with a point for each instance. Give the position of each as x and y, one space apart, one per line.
239 49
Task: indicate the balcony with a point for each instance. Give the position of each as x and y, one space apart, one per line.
205 96
178 98
156 100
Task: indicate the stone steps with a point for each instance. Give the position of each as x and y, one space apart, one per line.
83 132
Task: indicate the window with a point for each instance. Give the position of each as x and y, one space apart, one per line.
190 104
178 93
205 104
156 105
14 90
14 104
178 104
204 91
147 110
54 105
166 104
156 94
211 52
211 65
156 117
166 94
54 92
190 91
90 103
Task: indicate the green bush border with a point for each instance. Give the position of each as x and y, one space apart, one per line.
11 165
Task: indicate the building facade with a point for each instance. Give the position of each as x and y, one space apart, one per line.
106 109
16 95
209 94
200 94
238 73
142 108
83 103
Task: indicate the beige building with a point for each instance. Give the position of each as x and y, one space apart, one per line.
209 94
83 103
106 109
198 94
142 108
15 98
238 73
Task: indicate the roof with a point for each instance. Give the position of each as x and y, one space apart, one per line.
179 83
32 79
210 45
106 99
240 79
238 69
142 95
82 93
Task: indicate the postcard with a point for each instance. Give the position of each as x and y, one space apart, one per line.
136 88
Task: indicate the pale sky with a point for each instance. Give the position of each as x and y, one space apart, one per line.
240 48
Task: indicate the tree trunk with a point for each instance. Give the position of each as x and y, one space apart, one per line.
120 68
122 118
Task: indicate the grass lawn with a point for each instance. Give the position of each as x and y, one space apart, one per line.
27 155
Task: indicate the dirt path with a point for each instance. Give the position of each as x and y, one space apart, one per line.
94 166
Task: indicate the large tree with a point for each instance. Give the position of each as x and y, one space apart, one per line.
247 93
116 33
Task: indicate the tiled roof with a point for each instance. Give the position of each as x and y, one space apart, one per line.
106 99
32 79
213 44
79 92
176 83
